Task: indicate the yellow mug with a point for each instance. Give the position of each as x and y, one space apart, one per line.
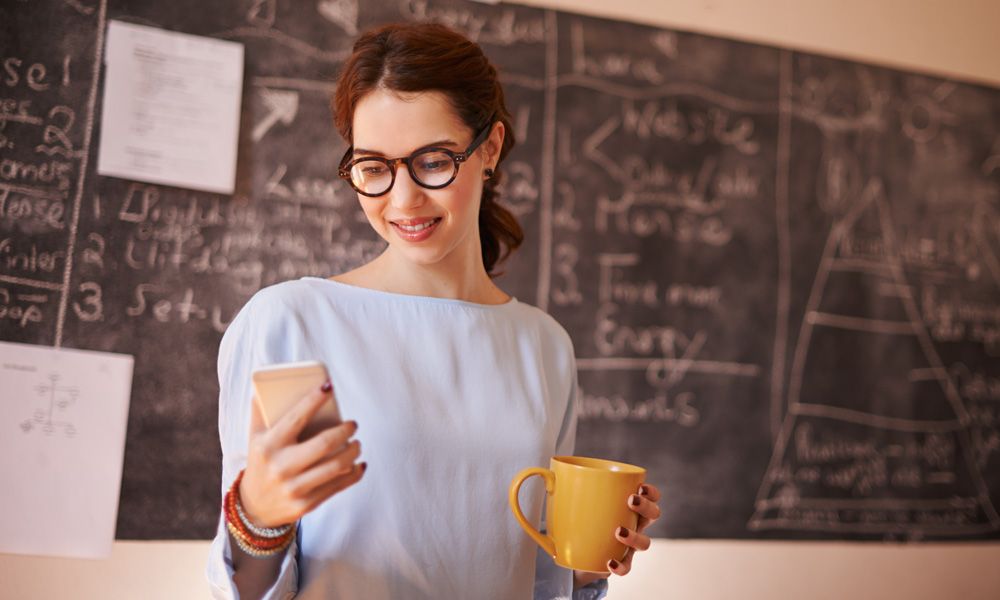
587 502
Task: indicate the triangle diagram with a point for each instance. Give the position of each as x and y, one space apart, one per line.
876 440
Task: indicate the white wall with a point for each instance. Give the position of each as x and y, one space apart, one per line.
959 38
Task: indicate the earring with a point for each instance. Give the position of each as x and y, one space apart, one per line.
489 173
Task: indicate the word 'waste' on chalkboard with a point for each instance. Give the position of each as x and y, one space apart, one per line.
781 271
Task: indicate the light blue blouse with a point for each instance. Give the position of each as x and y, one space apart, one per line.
452 399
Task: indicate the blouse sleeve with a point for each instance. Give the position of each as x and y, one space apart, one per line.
551 580
246 344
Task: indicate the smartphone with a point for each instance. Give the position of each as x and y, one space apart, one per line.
277 388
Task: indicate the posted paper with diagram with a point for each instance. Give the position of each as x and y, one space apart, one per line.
64 415
171 109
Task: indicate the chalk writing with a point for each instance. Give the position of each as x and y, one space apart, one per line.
33 75
660 408
950 317
44 211
695 127
503 30
90 304
28 259
610 64
20 308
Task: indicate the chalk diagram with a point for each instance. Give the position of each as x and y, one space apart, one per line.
856 453
52 418
261 17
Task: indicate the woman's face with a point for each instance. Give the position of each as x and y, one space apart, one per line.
423 226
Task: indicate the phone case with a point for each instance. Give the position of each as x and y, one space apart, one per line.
279 387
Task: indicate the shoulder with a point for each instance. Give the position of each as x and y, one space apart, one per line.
542 320
287 294
551 332
272 308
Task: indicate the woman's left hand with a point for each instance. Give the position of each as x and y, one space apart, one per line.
646 504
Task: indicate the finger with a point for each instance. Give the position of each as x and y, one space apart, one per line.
299 457
326 471
336 486
648 511
256 418
632 539
287 429
650 492
621 568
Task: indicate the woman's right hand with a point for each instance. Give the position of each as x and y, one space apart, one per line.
285 478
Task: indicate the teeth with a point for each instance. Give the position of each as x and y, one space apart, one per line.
416 228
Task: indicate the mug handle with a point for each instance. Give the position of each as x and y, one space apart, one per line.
545 541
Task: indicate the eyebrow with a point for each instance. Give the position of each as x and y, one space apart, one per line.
432 144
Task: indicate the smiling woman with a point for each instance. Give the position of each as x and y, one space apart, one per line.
452 385
428 212
420 88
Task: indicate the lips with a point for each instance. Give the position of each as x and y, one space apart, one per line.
415 230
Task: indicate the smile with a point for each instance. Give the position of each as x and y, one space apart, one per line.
416 230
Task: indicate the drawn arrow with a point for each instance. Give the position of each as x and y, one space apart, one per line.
282 104
594 140
340 12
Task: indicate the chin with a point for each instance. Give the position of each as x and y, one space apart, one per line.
426 254
424 257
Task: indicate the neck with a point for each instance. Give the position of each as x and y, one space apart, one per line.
457 277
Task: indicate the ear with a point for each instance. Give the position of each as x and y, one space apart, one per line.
493 145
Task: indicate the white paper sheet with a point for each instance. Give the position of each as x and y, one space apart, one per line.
171 108
64 414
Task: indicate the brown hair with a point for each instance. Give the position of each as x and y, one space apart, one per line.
418 57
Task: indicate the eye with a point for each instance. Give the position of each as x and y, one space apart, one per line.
434 162
373 169
435 165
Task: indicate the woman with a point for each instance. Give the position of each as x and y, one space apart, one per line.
451 385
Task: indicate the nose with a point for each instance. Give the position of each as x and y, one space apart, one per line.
405 193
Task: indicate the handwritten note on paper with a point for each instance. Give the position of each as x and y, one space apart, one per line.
171 108
63 415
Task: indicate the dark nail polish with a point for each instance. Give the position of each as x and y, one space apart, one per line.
613 564
643 490
635 501
327 386
622 532
364 466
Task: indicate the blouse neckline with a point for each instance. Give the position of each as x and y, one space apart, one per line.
415 297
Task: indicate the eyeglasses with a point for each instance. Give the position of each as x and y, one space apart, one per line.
432 167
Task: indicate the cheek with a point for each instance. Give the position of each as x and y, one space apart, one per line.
465 197
372 211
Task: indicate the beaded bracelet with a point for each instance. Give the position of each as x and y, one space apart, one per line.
253 540
265 532
252 550
246 536
247 541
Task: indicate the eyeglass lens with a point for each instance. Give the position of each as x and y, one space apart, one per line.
430 168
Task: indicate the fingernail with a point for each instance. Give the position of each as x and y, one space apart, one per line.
364 466
613 564
327 386
622 532
634 501
643 490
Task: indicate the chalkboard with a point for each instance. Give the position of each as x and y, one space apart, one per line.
781 271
